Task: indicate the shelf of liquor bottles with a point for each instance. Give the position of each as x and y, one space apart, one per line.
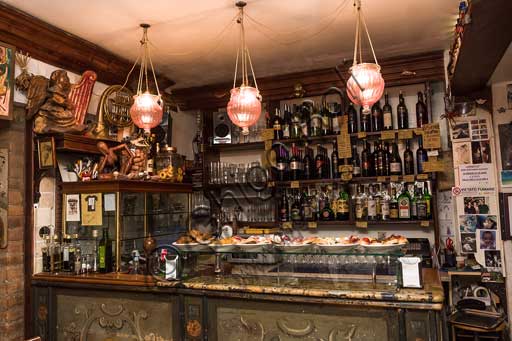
359 179
356 223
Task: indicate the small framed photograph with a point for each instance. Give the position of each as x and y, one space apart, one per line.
7 57
46 152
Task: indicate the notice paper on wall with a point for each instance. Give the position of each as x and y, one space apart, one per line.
110 202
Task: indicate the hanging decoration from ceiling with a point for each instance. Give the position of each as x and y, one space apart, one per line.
365 85
147 108
244 107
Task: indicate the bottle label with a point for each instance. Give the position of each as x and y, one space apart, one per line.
404 208
335 125
342 206
395 167
65 255
356 170
149 166
359 210
316 121
284 214
414 211
325 121
325 214
384 208
286 131
393 213
102 255
282 166
422 211
308 212
387 120
295 214
296 165
304 129
372 208
277 126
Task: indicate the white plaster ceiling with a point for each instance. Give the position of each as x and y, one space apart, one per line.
187 47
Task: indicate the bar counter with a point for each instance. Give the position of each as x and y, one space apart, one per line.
229 305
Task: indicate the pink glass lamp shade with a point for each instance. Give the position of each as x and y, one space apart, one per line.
146 111
244 107
370 81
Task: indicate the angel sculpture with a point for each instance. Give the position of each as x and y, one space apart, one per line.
57 105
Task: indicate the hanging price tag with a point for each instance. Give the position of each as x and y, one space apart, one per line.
408 178
287 225
345 176
361 134
387 135
433 165
418 131
271 184
312 225
431 136
294 184
267 134
345 168
268 144
425 223
343 140
362 224
405 134
381 179
393 178
422 177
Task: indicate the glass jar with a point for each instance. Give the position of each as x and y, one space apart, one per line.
169 164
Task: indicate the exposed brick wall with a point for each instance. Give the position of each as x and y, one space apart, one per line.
12 136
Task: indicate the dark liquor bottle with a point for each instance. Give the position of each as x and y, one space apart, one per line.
356 162
393 204
284 215
386 159
326 121
295 211
421 156
319 163
282 164
335 110
296 166
395 162
402 113
307 210
315 125
414 201
385 206
326 171
408 159
307 163
377 120
421 205
421 111
326 213
335 174
372 204
277 125
287 122
66 241
376 168
366 162
105 253
387 114
381 160
306 111
296 129
342 207
364 118
352 118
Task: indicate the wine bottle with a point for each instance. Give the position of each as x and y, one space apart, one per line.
376 168
421 111
282 164
326 165
356 162
387 115
315 125
296 166
381 160
307 163
402 113
326 121
352 118
365 120
277 125
372 205
366 162
421 204
307 210
306 112
296 208
377 121
408 159
295 128
335 174
393 204
319 163
395 162
385 206
105 253
284 215
335 110
342 211
386 158
421 156
414 202
428 200
287 121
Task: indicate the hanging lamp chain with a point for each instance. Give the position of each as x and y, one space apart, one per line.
243 56
360 26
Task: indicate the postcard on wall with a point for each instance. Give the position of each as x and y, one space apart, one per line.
480 175
7 57
461 153
72 207
92 209
110 202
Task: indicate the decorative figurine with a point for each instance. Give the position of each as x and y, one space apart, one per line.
123 162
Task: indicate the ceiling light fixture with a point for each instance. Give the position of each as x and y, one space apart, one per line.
244 107
365 85
146 111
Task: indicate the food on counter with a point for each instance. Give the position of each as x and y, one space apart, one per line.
200 237
186 239
391 240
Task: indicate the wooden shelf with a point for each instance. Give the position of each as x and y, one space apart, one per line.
78 143
236 146
367 179
370 223
111 186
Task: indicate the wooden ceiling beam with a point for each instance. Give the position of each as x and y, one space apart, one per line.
57 47
421 67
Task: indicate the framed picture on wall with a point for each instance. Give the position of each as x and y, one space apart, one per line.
7 57
46 152
506 215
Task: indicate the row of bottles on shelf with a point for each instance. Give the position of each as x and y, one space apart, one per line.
369 202
310 120
68 256
297 163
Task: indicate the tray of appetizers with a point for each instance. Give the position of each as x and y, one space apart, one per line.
338 245
390 244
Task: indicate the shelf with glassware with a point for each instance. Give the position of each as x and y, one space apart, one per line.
110 222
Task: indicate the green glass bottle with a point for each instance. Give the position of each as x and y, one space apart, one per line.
342 211
404 204
105 253
428 200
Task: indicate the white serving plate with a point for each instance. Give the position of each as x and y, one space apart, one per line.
337 248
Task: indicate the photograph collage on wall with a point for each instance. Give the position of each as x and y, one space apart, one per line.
471 144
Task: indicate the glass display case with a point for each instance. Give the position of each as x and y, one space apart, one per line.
129 210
